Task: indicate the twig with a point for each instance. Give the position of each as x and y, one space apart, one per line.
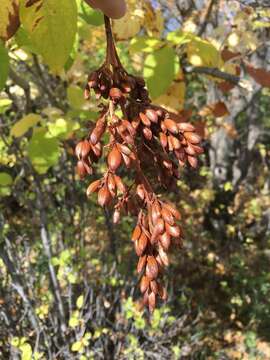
234 79
205 16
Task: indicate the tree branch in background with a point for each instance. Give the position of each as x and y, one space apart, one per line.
234 79
205 16
24 85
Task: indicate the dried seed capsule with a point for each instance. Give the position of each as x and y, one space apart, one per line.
199 150
98 132
163 256
171 126
104 196
184 126
136 233
145 298
124 149
116 216
165 240
144 285
174 231
116 94
82 149
114 159
145 119
172 209
189 149
192 137
147 133
81 170
93 187
127 160
141 264
152 302
152 115
140 192
121 187
97 149
167 215
142 244
163 140
151 268
192 161
154 286
176 143
111 183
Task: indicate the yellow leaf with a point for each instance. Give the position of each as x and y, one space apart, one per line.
23 125
80 301
77 346
9 18
131 23
153 21
174 98
203 53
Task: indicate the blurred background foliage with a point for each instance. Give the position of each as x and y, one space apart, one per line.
67 275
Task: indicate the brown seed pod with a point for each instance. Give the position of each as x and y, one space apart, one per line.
165 240
116 216
144 119
82 149
154 286
141 263
163 140
152 115
151 268
140 192
193 161
147 133
93 187
172 209
189 149
142 244
121 187
104 196
171 126
81 170
167 216
116 94
111 184
184 126
144 285
163 256
136 233
152 302
114 159
192 137
174 231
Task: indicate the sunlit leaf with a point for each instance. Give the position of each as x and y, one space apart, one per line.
160 68
9 18
4 65
23 125
52 27
43 152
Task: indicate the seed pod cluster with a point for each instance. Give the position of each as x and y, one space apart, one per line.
143 139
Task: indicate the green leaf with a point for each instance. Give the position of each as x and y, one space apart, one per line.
4 61
5 179
160 68
144 44
75 97
79 302
62 128
4 105
52 27
77 346
26 351
43 151
179 37
23 125
91 16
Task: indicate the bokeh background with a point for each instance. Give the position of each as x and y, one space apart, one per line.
68 287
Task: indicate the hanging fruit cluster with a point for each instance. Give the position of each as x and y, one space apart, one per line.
148 142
